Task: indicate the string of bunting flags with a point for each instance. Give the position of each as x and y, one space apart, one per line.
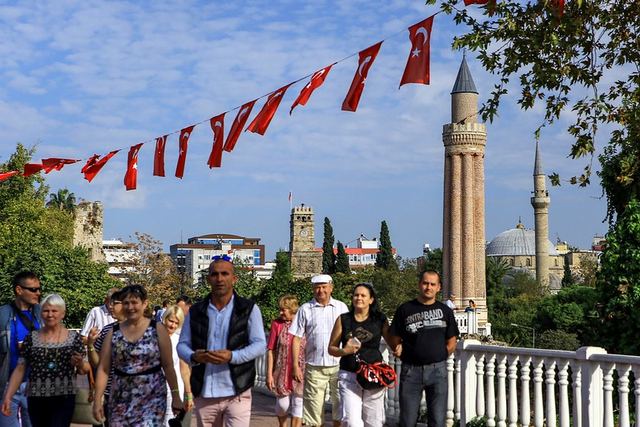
416 71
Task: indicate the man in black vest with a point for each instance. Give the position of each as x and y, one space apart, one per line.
221 337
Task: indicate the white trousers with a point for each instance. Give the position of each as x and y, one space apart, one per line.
359 407
289 405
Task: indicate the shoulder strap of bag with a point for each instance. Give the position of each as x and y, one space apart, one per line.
28 323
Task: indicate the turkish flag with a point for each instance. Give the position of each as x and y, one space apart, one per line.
95 164
316 81
131 176
31 168
238 124
158 156
261 122
558 7
217 126
182 154
365 61
417 68
6 175
56 164
469 2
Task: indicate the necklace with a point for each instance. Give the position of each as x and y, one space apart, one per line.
53 362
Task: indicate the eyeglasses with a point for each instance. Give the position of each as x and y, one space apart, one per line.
115 302
34 290
222 258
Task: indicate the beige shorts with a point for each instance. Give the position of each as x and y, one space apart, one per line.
316 379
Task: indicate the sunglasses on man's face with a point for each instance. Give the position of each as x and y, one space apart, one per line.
34 290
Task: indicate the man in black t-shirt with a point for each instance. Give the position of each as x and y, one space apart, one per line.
427 331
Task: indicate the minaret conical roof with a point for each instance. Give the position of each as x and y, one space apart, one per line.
464 81
537 167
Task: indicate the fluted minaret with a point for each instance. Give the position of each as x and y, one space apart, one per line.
540 202
463 236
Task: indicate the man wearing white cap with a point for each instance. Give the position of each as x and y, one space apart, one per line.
315 320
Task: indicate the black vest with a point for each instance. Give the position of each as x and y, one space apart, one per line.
242 375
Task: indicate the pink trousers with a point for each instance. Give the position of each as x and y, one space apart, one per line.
234 411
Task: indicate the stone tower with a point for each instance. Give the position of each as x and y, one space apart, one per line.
87 228
463 244
540 202
305 260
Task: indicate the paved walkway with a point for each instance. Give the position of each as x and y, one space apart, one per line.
262 414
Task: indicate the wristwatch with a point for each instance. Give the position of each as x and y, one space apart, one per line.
193 359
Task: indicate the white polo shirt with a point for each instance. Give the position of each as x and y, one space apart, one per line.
315 322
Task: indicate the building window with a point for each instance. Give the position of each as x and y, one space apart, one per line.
528 262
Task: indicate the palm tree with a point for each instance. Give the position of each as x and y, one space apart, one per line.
63 200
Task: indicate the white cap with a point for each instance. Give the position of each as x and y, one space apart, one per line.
320 279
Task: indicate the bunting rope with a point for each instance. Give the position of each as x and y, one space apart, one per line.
417 70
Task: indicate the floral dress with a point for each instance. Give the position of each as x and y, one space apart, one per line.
281 342
138 392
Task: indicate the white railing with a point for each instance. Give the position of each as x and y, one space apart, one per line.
515 387
467 322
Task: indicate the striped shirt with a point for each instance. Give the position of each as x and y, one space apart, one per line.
315 322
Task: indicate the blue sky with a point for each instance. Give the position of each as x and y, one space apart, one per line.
85 77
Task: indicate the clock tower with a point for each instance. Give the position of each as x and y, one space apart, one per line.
305 260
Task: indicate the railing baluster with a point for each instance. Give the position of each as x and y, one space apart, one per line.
538 414
577 394
607 381
623 393
502 394
636 373
491 393
525 395
451 393
458 400
551 395
513 392
480 409
563 393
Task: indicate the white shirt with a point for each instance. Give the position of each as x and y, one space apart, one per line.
315 322
450 304
98 317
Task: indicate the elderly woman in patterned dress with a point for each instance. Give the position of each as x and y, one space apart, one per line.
140 352
280 365
54 357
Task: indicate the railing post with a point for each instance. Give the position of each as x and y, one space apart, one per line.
592 387
468 383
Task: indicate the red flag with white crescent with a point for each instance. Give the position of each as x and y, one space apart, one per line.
417 68
183 144
31 168
55 163
238 125
6 175
316 81
95 164
131 176
158 156
261 121
217 126
365 61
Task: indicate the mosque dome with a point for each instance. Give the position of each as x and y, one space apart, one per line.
516 241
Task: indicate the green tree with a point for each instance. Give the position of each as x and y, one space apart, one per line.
152 268
282 273
63 200
433 261
567 277
37 238
619 284
385 258
342 260
328 256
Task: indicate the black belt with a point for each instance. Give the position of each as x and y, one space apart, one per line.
153 370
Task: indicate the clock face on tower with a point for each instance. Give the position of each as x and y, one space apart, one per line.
304 233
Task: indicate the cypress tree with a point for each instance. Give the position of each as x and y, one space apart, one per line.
385 258
342 260
328 257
